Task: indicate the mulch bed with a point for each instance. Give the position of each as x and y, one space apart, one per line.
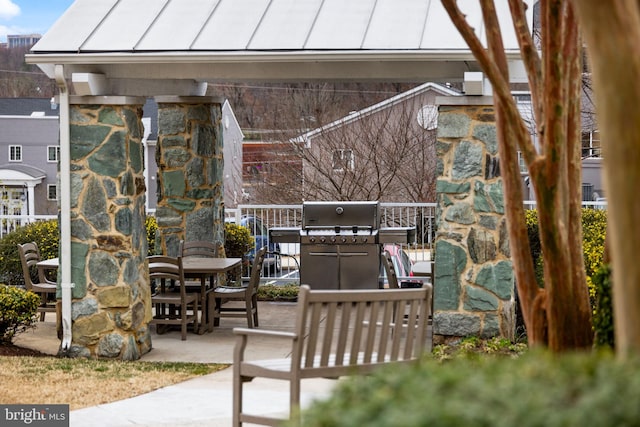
14 350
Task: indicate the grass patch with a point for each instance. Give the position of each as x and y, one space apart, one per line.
88 382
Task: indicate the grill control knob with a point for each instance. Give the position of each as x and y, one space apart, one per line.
323 239
354 239
312 239
333 239
344 240
364 239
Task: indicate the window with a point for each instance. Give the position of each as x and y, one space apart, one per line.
591 144
342 160
53 153
15 153
52 192
522 163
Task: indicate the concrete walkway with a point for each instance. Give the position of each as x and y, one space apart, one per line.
202 401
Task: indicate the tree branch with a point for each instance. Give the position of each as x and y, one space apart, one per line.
529 53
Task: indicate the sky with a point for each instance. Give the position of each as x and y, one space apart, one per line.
29 16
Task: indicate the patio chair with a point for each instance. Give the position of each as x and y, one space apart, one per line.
46 289
200 249
247 293
172 307
392 277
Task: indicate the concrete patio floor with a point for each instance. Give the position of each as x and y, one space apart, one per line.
203 401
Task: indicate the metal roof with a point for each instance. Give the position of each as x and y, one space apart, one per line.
275 40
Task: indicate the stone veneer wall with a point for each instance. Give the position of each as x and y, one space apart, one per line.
474 280
111 305
190 172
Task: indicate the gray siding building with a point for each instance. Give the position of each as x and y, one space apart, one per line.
29 154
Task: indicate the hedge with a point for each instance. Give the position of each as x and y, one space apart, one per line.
538 389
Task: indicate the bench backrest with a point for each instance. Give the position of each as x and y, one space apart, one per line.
351 331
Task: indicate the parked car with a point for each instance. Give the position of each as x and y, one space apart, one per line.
272 261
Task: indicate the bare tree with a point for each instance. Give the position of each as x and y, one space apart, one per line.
18 79
383 156
558 315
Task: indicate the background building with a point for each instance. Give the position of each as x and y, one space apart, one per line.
29 153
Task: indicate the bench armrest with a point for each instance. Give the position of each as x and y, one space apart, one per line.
243 334
264 333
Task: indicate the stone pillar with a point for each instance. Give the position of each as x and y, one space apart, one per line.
190 172
474 279
111 305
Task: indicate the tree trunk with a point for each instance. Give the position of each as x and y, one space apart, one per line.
559 315
612 32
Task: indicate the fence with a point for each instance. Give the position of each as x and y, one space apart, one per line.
418 215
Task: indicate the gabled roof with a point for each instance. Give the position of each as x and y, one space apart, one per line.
267 40
259 25
357 115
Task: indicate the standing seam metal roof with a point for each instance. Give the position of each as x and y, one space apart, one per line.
256 25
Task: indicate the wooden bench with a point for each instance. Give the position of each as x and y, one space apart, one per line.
337 333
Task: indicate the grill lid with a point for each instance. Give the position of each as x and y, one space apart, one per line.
325 215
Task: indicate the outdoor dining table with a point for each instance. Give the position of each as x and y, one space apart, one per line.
204 268
194 268
46 265
423 268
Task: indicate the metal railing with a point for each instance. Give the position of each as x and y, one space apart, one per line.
418 215
602 204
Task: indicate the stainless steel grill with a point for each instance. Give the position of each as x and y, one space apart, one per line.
340 244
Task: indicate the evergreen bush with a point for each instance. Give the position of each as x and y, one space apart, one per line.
603 309
594 228
537 389
151 226
237 242
44 233
18 309
287 292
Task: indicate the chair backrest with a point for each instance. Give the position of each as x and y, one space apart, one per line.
199 248
343 329
392 277
163 268
256 270
29 257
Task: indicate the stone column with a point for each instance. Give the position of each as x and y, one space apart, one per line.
111 305
474 280
190 172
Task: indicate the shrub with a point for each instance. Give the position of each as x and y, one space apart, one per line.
238 240
44 233
594 228
17 311
535 389
287 292
151 225
603 308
